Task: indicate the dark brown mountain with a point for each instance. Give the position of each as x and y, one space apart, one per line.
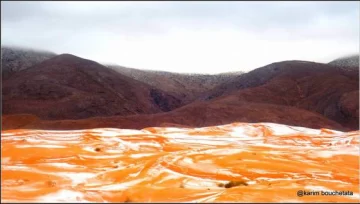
312 86
69 87
188 87
198 114
293 92
16 59
264 74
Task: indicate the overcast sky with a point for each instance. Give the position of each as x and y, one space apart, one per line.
197 37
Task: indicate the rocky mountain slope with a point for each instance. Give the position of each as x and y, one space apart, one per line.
312 86
194 115
350 61
16 59
186 86
297 93
69 87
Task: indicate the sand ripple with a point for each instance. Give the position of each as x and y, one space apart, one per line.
266 163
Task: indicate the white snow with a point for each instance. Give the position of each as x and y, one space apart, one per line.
63 196
76 178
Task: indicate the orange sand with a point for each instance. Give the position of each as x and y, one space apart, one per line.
179 164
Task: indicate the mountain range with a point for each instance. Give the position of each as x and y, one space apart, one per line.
43 90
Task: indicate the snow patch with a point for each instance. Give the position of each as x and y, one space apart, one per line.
63 196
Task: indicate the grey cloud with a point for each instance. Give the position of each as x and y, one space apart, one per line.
157 16
73 25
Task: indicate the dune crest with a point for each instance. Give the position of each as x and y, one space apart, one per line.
238 162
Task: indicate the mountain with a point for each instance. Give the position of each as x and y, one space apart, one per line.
200 114
69 87
188 87
349 61
264 74
292 92
16 59
66 88
312 86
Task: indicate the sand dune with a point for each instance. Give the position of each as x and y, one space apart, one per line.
242 162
